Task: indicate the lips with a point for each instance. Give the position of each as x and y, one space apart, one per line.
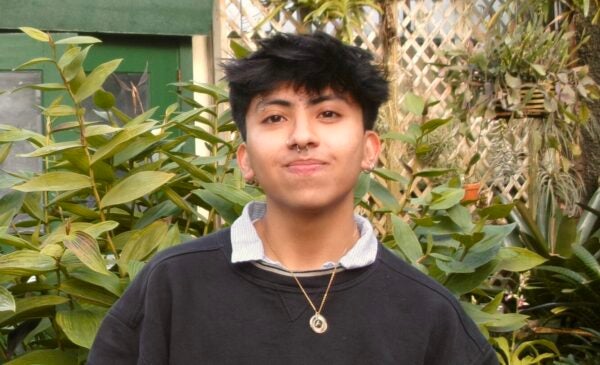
305 166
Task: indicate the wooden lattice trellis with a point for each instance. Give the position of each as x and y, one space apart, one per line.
424 29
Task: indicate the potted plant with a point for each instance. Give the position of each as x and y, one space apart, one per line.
522 77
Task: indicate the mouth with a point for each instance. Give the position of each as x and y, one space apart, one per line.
305 167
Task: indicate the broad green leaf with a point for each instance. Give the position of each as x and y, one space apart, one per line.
117 143
4 151
52 86
78 40
93 82
229 193
239 51
80 210
87 251
433 172
383 195
402 137
433 124
566 236
414 104
391 175
109 281
34 306
88 292
12 134
497 322
216 92
95 130
461 216
134 267
136 147
53 250
204 135
59 233
591 264
172 238
135 186
496 211
46 357
225 208
444 197
161 210
59 111
33 61
80 325
178 200
190 168
142 117
361 188
26 262
52 148
406 240
14 241
36 34
56 181
149 239
463 283
33 205
7 301
97 229
518 259
71 64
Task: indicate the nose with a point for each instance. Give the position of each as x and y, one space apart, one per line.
302 135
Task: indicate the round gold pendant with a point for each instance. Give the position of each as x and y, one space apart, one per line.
318 323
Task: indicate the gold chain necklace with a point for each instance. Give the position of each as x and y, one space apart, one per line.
317 322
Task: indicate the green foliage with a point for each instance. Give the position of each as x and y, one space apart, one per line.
447 238
563 292
113 193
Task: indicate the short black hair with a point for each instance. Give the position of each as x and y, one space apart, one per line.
311 62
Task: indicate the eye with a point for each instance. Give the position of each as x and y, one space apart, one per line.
329 114
273 119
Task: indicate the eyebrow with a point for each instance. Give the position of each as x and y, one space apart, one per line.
312 101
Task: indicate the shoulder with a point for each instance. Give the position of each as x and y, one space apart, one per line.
217 242
400 272
170 269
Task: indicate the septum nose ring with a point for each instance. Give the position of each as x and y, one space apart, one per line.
299 150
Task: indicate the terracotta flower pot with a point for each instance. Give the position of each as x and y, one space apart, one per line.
471 192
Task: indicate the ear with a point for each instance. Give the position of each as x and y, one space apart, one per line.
372 147
244 162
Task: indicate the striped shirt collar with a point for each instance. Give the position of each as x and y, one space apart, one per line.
247 246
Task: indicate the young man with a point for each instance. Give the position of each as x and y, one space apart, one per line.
299 279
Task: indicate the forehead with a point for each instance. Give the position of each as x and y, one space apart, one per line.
288 95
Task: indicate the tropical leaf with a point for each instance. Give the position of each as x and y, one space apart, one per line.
34 306
26 262
93 82
135 186
7 301
86 249
80 325
56 181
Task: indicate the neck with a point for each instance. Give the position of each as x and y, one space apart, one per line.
306 240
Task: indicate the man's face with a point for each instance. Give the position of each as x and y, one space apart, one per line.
306 150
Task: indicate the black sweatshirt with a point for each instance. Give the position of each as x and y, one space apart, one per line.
191 305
